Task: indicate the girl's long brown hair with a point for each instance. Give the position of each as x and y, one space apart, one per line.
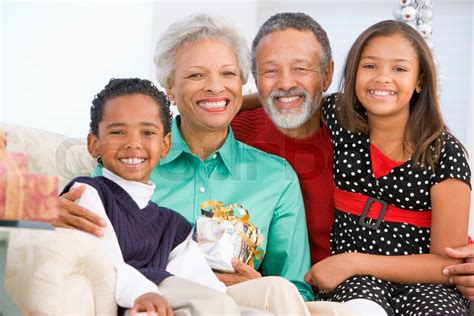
425 124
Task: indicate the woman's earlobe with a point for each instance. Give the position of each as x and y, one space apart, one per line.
165 148
169 93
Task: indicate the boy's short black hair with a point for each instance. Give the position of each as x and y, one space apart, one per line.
129 86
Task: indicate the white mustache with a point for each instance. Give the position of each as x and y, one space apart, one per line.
290 118
285 93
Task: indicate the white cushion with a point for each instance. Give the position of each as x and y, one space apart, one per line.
59 272
50 153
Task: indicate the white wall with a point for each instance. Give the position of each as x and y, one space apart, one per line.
56 55
452 27
471 121
453 38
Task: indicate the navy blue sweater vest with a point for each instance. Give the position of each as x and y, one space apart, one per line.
146 236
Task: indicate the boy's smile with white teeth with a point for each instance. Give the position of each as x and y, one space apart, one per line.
130 138
132 161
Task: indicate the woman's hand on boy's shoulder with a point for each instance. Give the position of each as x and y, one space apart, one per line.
152 304
71 215
462 275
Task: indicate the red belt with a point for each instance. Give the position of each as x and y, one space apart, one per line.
372 208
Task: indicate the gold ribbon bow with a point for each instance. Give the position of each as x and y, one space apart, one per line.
252 238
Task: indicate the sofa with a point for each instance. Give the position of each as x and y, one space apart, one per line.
62 271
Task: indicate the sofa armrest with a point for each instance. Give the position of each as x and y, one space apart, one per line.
59 272
50 153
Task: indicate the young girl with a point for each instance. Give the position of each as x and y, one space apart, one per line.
402 180
148 244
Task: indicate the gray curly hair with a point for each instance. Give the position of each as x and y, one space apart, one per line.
191 29
292 20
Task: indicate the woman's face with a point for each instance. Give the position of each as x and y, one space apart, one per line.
206 85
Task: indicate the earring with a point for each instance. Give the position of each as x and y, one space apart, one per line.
99 160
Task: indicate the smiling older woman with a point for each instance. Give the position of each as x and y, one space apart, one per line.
203 63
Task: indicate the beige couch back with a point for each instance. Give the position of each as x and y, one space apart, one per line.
50 153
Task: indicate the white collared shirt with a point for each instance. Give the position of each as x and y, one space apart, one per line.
186 260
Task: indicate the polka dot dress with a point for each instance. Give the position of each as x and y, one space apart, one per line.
405 188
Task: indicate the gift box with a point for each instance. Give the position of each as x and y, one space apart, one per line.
224 232
24 196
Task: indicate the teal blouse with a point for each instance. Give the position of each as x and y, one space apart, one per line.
264 184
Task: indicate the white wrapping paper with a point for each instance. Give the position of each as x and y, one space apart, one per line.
222 236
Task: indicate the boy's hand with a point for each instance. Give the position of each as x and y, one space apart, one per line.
74 216
462 275
153 304
242 273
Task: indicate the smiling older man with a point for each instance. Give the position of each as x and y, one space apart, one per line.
292 66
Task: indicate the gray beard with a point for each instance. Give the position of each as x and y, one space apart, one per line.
290 118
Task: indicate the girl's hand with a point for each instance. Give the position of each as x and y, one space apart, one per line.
153 304
332 271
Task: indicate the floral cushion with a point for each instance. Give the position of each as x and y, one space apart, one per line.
50 153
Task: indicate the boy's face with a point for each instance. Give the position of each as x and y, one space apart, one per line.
130 137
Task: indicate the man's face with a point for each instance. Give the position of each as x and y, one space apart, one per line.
289 78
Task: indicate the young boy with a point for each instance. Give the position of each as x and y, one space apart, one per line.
129 133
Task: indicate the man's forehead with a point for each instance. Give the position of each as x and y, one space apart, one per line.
289 33
288 44
290 58
288 38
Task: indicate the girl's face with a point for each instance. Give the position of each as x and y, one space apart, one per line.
206 85
387 76
130 137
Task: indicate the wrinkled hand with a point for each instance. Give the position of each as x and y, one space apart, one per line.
462 275
332 271
242 273
153 304
74 216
